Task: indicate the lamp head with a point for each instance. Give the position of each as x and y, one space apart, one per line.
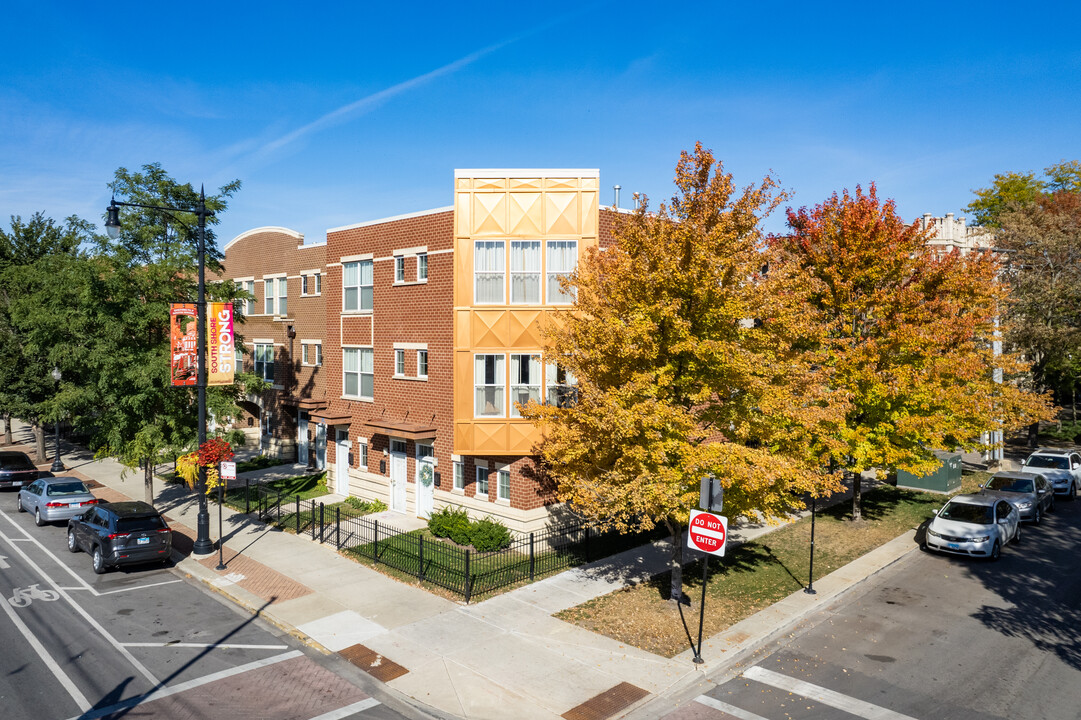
112 219
56 374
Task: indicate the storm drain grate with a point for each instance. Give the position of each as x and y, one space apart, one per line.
607 704
373 663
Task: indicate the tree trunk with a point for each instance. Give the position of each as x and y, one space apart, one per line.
148 482
857 496
39 443
1033 434
677 560
8 439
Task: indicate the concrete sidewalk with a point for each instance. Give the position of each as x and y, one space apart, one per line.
504 656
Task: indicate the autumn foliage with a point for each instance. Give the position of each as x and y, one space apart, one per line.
210 455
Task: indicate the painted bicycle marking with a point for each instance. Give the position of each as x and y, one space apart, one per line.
25 595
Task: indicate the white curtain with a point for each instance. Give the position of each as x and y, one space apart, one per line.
489 267
562 260
525 271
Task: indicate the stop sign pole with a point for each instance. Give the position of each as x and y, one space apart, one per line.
707 533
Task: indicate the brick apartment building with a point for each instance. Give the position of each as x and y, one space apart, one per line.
431 334
282 332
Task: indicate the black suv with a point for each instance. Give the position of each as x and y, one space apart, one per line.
121 533
16 469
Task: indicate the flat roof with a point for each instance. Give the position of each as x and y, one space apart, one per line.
392 218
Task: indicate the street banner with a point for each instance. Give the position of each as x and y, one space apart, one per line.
185 356
221 358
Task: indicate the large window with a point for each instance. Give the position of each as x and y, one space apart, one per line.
502 490
264 361
269 287
482 481
526 382
357 285
489 267
525 271
488 378
249 305
562 261
358 376
275 301
560 385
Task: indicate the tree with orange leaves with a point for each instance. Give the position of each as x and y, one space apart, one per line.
689 361
911 335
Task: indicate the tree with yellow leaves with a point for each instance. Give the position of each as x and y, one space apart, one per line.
911 335
690 360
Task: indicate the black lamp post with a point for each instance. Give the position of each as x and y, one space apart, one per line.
57 465
203 545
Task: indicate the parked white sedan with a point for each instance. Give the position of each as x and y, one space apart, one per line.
974 525
1061 467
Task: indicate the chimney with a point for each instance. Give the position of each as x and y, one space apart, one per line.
615 205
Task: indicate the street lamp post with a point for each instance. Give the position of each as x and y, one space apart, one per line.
203 545
57 465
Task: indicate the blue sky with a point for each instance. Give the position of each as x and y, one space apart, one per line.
334 114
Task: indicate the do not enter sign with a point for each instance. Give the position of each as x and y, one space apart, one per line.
707 532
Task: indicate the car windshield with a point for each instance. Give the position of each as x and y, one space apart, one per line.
1045 461
16 462
67 488
136 524
964 512
1007 484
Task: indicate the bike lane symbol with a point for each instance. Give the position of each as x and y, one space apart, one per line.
25 596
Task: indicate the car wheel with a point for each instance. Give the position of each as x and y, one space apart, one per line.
73 546
99 559
38 520
996 550
1072 495
20 504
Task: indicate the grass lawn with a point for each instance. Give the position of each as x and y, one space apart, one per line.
756 574
307 486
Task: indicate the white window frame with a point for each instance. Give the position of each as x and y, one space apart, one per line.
519 270
311 283
364 290
497 269
261 364
422 267
498 378
422 365
553 385
458 474
306 353
532 360
501 474
552 292
399 362
269 287
481 474
248 286
356 356
362 453
399 269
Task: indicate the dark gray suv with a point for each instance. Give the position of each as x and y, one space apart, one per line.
122 533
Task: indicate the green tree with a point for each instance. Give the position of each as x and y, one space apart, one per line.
674 378
910 337
1015 189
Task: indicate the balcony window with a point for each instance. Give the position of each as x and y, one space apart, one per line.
489 384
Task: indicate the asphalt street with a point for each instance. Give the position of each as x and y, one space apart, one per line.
931 637
146 641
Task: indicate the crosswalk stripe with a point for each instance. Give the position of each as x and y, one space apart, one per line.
348 710
823 695
725 707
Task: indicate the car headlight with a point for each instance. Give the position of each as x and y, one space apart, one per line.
981 538
1024 505
933 533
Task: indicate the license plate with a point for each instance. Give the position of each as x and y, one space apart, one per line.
953 546
143 541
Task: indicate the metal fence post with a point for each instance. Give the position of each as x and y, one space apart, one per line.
531 557
322 519
468 578
297 514
247 496
587 543
338 527
375 551
421 572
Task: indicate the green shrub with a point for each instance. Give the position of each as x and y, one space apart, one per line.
450 522
489 534
368 506
259 462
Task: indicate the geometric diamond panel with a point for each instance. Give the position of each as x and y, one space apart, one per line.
561 213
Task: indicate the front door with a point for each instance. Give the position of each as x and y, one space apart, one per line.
302 437
320 446
398 468
425 480
341 465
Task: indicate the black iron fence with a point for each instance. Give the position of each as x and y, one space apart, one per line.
461 570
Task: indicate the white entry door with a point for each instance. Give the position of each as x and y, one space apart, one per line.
341 465
320 446
302 437
425 480
398 468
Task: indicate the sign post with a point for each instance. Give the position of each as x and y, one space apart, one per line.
707 533
226 472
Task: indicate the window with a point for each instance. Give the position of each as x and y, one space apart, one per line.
357 285
502 488
268 297
275 288
247 306
363 447
264 362
311 284
358 377
422 267
397 446
459 475
399 269
399 362
562 261
313 353
482 481
488 378
422 363
489 267
560 384
525 381
238 358
525 271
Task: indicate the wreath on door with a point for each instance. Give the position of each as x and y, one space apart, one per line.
426 475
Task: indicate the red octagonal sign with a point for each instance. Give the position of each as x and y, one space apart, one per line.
707 532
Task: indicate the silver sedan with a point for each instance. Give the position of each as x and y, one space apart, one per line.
1031 494
55 498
